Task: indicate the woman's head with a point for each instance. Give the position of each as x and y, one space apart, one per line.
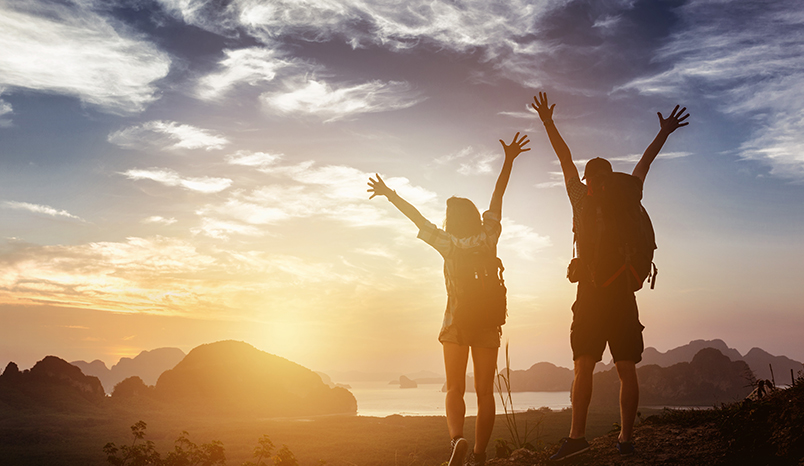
463 218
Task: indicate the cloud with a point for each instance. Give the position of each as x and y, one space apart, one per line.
471 161
160 220
251 66
38 209
169 177
5 110
747 58
157 275
506 34
306 190
222 229
66 48
556 180
522 240
167 135
253 159
320 99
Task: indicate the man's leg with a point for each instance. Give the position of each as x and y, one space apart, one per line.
581 394
455 359
629 398
484 361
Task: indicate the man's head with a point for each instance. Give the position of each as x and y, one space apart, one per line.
596 167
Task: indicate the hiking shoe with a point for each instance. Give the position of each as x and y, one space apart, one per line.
459 446
570 448
476 459
626 448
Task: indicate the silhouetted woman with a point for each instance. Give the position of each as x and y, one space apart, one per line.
464 229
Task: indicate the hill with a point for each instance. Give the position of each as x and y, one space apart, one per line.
233 376
148 366
51 383
759 360
709 379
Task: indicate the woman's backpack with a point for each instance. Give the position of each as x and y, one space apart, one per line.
479 289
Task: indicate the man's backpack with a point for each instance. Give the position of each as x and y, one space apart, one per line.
479 288
616 238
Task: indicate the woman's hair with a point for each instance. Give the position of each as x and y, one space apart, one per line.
463 218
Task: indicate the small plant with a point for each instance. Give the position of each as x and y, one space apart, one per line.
284 457
518 440
187 453
139 453
265 447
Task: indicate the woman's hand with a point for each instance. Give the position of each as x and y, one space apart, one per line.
377 187
516 147
544 108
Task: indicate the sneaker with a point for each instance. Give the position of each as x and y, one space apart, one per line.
570 448
476 459
459 446
626 448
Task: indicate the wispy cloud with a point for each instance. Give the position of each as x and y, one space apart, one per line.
167 135
320 99
303 191
67 48
167 177
556 180
156 275
5 111
251 66
470 161
746 57
522 240
38 209
253 159
160 220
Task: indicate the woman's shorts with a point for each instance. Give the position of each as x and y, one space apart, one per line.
483 338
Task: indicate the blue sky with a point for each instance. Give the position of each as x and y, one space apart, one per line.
179 172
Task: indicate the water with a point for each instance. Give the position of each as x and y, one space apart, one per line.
382 399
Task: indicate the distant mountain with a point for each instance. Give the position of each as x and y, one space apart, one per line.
541 377
233 376
757 359
686 352
53 383
148 366
761 361
405 382
710 378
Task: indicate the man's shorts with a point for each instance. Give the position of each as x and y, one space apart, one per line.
483 338
606 315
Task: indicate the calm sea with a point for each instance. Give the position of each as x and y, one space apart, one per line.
382 399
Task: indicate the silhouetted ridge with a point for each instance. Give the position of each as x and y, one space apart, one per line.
235 376
709 379
148 366
52 382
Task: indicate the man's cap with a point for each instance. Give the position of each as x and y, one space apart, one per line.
596 166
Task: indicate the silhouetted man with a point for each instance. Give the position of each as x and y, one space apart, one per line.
605 311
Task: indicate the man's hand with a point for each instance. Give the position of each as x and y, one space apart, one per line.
378 187
674 121
543 107
516 147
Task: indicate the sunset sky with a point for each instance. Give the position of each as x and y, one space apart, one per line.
178 172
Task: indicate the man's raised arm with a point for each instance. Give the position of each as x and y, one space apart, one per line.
667 126
545 111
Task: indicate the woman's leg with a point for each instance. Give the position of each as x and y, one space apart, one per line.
455 359
485 366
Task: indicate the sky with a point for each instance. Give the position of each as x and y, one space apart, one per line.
179 172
